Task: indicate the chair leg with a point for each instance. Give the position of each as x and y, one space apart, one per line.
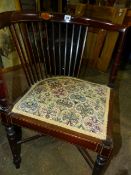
14 135
99 165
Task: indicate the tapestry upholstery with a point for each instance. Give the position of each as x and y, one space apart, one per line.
71 103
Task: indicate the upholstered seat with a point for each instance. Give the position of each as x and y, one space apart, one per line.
68 102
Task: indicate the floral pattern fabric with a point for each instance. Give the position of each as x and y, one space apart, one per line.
68 102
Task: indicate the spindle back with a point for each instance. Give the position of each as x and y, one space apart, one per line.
53 44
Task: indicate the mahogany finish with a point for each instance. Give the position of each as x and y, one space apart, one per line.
51 45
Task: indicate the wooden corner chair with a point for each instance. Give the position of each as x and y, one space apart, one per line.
59 101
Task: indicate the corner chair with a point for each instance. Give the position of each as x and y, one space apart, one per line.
59 101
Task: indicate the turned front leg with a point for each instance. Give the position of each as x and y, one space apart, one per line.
14 135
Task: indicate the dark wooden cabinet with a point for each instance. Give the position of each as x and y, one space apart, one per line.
28 5
44 5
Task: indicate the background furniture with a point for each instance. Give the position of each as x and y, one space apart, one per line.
52 45
100 53
44 5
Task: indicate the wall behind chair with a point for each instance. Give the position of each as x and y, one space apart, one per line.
8 54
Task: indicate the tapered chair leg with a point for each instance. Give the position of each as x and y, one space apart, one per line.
14 135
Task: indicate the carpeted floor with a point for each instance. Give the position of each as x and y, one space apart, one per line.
50 156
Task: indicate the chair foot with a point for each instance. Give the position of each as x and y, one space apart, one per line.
17 161
14 135
99 165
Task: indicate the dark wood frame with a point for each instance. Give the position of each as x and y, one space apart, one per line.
14 122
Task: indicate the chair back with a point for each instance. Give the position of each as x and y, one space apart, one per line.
53 44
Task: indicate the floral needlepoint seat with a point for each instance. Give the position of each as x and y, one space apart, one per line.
71 103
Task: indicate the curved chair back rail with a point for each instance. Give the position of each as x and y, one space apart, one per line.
11 17
42 41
